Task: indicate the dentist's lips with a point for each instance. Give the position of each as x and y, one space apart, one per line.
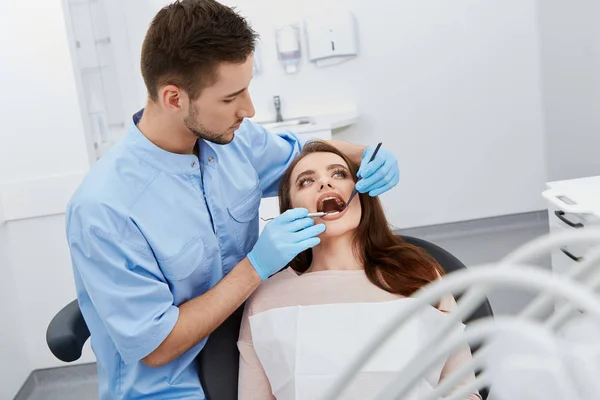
332 203
237 125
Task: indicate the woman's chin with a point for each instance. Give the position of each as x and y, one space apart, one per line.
338 225
335 228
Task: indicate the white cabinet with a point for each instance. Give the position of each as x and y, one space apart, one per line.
572 204
104 80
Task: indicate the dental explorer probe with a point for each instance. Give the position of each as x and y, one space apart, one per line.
312 215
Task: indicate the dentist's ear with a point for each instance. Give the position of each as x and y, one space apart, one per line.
170 98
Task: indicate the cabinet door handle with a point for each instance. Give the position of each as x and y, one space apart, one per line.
571 256
561 216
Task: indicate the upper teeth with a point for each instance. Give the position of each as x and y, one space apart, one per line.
330 198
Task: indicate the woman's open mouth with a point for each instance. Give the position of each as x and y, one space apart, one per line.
333 204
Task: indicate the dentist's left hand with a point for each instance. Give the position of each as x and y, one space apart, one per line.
282 239
380 175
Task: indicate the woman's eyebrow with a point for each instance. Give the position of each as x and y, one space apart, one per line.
305 173
335 166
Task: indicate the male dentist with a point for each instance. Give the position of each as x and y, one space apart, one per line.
163 231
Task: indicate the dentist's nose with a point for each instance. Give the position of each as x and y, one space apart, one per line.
247 109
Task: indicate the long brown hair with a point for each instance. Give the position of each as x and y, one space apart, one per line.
390 263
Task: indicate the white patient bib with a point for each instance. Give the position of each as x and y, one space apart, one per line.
303 349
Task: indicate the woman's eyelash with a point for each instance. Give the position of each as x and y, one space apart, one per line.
303 181
340 171
227 101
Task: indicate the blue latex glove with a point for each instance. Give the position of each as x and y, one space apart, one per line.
379 175
282 239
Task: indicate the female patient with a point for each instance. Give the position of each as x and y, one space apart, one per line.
361 268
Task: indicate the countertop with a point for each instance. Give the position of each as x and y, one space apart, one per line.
581 196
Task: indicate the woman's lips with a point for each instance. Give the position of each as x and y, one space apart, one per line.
330 196
334 215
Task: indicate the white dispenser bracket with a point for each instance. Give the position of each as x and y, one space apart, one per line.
331 38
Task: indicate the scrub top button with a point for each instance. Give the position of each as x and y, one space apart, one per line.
211 159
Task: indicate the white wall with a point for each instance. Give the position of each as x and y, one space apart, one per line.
14 359
570 44
41 131
42 136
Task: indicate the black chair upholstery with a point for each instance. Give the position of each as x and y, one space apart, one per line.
450 264
218 361
67 333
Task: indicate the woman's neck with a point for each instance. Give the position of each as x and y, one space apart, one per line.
335 254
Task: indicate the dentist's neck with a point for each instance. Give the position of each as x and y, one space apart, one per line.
165 131
334 254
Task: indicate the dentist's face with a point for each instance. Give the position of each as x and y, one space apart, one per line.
322 182
220 109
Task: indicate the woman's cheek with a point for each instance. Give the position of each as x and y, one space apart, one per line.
356 213
300 201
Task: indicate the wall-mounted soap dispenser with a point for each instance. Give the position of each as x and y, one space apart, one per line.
331 38
288 47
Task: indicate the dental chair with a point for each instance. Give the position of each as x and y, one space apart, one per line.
218 361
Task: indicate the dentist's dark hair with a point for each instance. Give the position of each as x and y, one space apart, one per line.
188 40
390 262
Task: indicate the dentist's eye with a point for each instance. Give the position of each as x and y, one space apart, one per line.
229 101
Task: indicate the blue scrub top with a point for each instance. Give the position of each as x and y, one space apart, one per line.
149 230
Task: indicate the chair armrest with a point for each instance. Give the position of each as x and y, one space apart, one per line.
67 333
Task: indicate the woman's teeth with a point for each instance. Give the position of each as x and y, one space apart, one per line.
328 198
331 205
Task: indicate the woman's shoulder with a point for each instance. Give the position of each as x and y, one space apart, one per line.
283 278
279 287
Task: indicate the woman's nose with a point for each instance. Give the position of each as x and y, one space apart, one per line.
326 185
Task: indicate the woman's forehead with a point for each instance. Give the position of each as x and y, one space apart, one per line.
317 161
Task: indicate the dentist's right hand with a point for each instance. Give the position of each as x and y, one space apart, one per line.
282 239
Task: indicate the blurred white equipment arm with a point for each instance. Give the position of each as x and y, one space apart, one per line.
511 272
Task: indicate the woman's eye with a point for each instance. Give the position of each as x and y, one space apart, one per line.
227 101
305 182
339 174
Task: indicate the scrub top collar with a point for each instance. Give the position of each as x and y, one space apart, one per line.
159 158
